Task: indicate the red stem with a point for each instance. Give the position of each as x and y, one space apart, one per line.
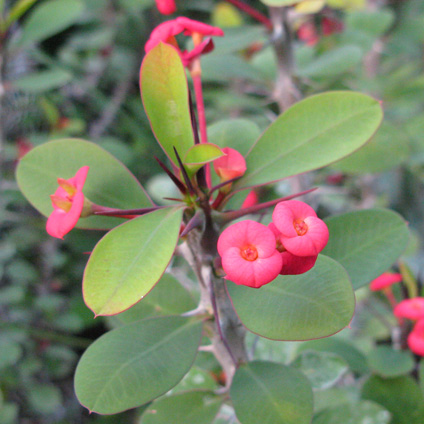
255 14
197 83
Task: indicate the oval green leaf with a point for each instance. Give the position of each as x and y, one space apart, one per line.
168 297
136 363
191 407
311 134
267 392
388 362
401 396
50 18
200 154
366 242
109 182
164 92
129 260
316 304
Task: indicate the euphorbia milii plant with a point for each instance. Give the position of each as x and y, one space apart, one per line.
297 263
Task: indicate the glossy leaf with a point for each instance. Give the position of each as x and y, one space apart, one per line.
164 91
136 363
109 183
298 307
50 18
168 297
366 242
401 396
311 134
364 412
267 392
388 362
323 369
129 260
191 407
201 154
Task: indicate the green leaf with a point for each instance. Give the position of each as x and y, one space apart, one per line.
164 92
366 242
196 379
373 22
39 82
136 363
271 393
333 62
356 360
129 260
109 183
387 149
311 134
45 398
323 369
279 3
50 18
200 154
364 412
387 362
298 307
191 407
401 396
168 297
239 134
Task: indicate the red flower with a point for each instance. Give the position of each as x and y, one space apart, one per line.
416 338
166 7
68 204
248 254
410 308
167 31
231 165
302 232
385 280
250 200
292 264
308 33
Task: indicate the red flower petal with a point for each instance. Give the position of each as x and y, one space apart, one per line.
385 280
410 308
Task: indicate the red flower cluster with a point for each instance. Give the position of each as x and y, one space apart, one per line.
253 254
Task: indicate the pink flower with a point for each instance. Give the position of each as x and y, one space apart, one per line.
308 33
385 280
68 204
248 254
250 200
231 165
410 308
292 264
166 7
416 338
167 31
302 232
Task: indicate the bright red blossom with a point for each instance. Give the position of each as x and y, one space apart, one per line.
166 32
250 200
302 232
292 264
68 204
166 7
248 254
231 165
385 280
416 338
410 308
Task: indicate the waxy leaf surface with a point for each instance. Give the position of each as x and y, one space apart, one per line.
200 154
271 393
129 260
311 134
164 91
198 407
366 242
109 183
316 304
136 363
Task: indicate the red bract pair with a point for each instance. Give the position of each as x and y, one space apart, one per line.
167 31
166 7
253 254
